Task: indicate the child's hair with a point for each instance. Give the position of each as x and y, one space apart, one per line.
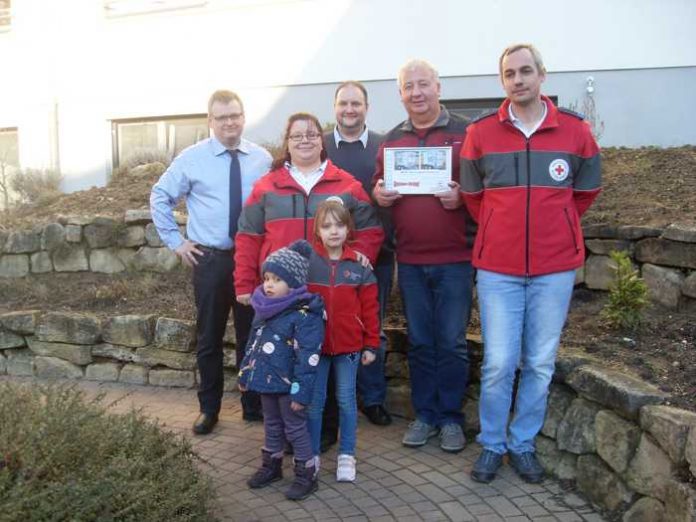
334 207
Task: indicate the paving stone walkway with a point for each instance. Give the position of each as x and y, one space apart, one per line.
394 482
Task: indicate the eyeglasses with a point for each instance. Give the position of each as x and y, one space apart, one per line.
232 117
310 136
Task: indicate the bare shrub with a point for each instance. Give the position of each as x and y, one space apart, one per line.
146 156
37 186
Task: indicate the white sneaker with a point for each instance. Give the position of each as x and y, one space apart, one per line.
345 468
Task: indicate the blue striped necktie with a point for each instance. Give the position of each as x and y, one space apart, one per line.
235 191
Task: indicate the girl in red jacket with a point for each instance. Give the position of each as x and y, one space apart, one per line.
352 329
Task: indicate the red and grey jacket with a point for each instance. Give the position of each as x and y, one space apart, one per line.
426 232
528 194
349 291
278 212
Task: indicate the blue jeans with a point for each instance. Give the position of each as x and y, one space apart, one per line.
372 385
345 369
521 321
437 303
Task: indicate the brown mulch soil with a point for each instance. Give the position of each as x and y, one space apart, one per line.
652 187
127 190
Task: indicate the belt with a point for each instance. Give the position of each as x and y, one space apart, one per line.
212 250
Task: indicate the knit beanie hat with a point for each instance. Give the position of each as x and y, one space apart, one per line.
291 263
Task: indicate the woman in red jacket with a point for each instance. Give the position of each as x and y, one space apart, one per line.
349 290
283 203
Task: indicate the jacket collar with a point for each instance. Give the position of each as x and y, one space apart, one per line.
348 253
219 149
550 121
283 179
442 121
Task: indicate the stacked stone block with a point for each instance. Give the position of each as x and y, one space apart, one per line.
615 438
134 349
666 259
82 244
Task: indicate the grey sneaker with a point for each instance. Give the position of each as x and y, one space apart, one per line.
452 438
527 466
418 434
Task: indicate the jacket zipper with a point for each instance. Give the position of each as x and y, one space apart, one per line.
332 283
483 232
306 213
527 211
572 230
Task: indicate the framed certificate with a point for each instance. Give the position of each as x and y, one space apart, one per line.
417 170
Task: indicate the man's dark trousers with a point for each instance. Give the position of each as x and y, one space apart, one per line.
213 288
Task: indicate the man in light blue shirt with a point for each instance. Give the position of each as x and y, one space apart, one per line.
214 176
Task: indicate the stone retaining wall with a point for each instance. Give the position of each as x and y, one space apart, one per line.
607 433
81 244
134 349
666 257
610 434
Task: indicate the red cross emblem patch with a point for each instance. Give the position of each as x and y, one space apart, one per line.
559 169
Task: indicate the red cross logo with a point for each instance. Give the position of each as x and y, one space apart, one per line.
559 169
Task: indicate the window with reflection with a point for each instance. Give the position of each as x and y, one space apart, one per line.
159 138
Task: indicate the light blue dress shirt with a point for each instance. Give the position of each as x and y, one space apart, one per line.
201 174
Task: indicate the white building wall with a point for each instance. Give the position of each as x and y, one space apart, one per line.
67 66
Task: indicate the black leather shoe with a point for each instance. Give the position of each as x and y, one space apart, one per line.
252 416
376 414
204 423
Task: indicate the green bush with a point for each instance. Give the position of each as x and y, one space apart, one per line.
63 457
627 294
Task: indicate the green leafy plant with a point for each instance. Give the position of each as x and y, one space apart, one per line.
63 457
627 294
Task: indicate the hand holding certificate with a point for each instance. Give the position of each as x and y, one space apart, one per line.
418 170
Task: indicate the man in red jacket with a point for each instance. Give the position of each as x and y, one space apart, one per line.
433 249
528 173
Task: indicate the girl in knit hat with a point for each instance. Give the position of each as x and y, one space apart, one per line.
281 362
352 330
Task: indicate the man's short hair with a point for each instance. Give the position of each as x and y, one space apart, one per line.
536 55
223 96
417 63
351 83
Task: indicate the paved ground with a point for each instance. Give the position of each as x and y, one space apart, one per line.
394 482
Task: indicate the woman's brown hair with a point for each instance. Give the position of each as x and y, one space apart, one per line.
285 152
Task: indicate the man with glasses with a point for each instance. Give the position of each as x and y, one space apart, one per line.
214 176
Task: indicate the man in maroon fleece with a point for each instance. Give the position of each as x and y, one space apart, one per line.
434 235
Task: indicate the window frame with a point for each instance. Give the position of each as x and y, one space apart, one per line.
6 14
472 108
123 8
163 131
15 131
